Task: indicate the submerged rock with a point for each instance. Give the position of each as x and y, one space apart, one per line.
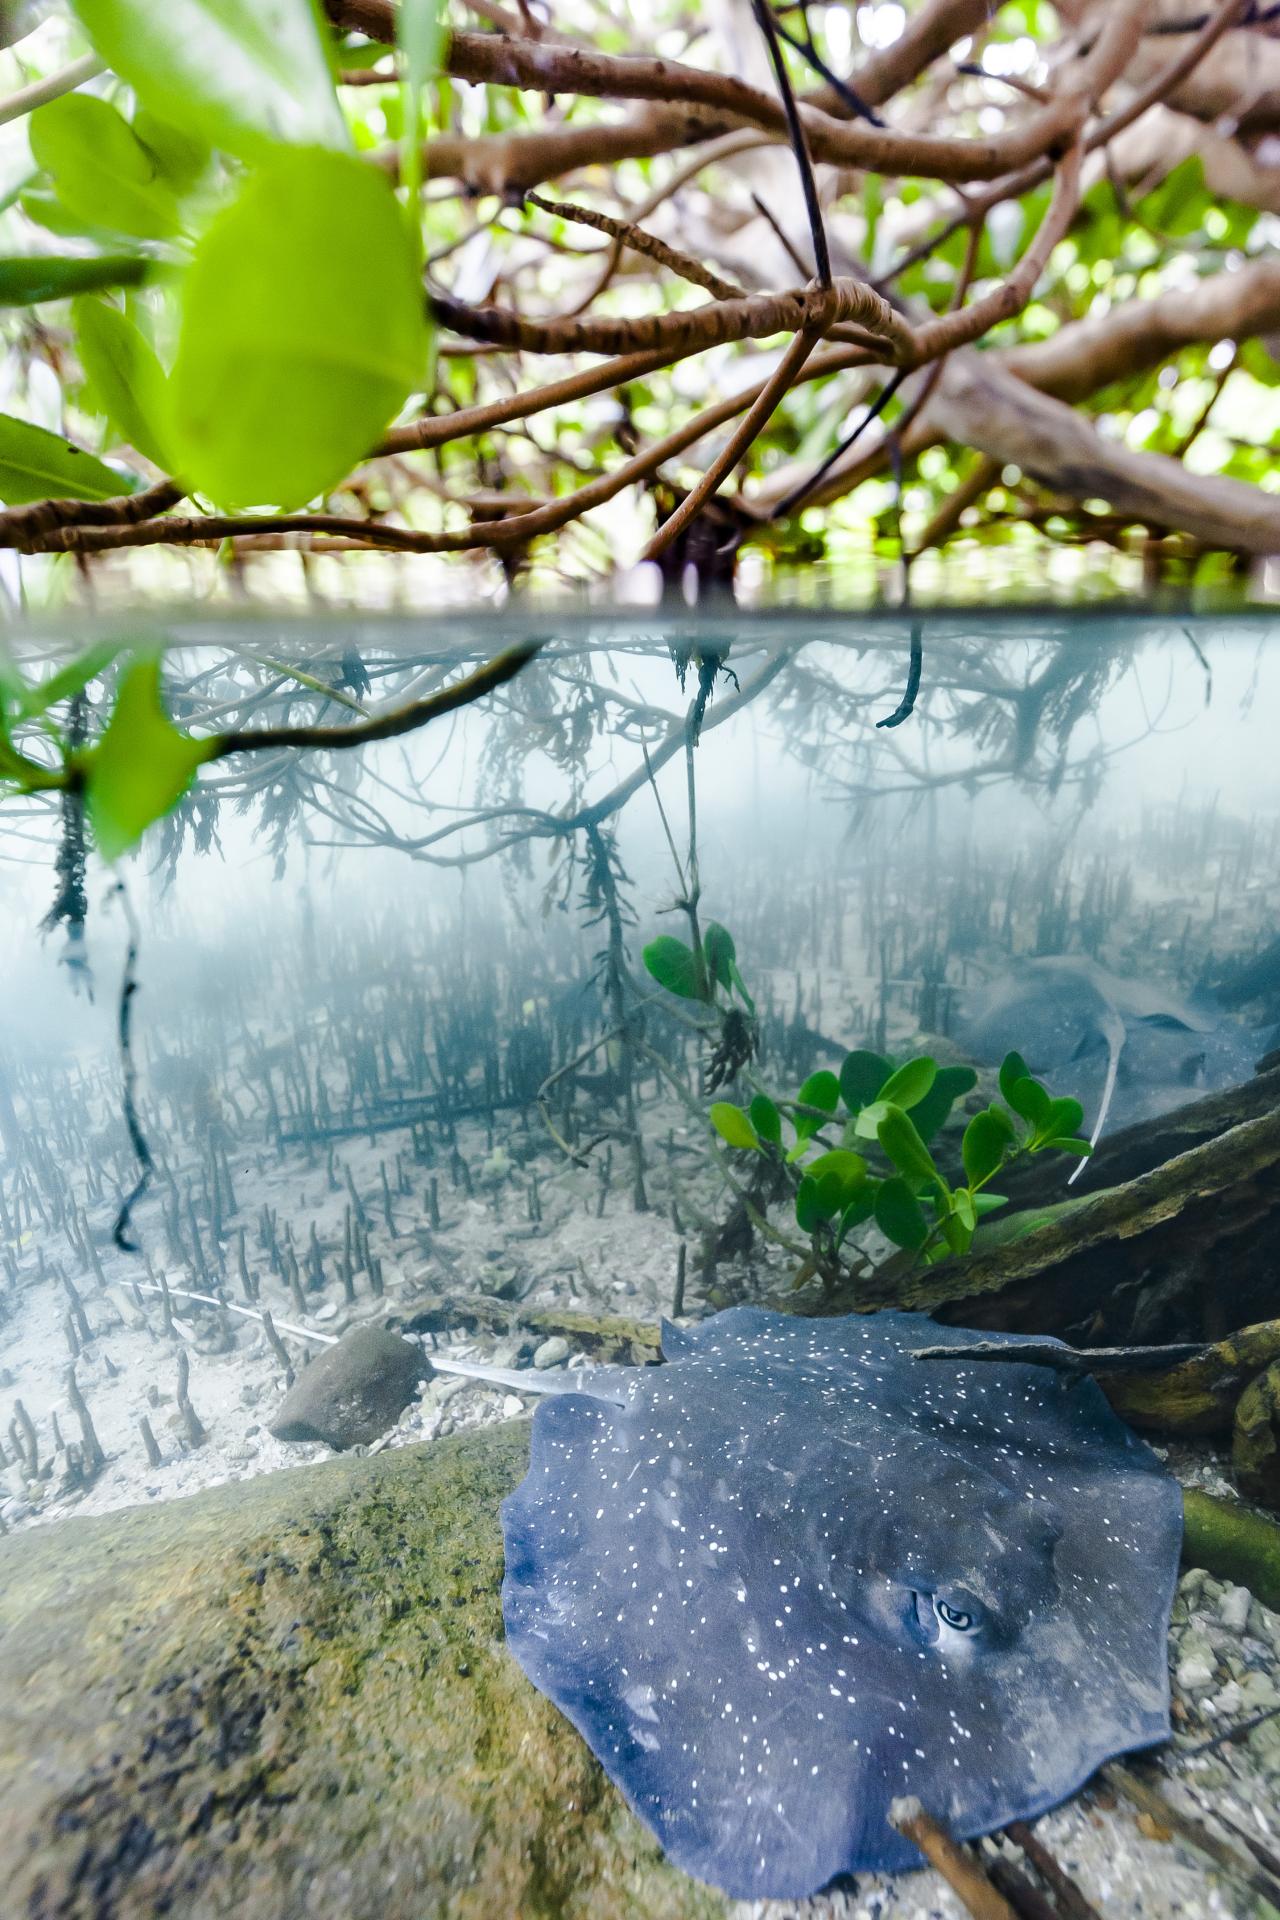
354 1392
291 1697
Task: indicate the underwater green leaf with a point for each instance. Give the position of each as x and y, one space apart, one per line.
766 1119
908 1152
849 1169
910 1083
126 376
36 465
733 1126
986 1138
820 1090
859 1209
142 765
1030 1101
1063 1120
814 1207
719 953
302 332
1012 1069
102 171
861 1077
674 966
899 1215
243 74
950 1085
741 986
26 279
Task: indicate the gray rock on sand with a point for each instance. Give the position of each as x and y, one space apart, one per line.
354 1392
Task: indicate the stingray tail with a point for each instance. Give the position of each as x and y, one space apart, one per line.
1114 1029
602 1383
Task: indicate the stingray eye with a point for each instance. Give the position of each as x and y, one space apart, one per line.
954 1617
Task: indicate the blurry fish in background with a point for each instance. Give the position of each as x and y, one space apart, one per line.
1128 1049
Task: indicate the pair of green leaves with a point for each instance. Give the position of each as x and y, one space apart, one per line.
1051 1123
696 976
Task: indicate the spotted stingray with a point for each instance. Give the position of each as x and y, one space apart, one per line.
796 1572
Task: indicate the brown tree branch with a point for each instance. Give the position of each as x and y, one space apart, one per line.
639 241
752 317
1090 354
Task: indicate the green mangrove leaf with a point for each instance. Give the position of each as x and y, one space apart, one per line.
101 169
242 74
126 376
302 332
859 1209
986 1139
1062 1121
142 765
674 966
812 1207
866 1126
899 1215
908 1152
950 1085
741 986
862 1075
766 1119
719 954
182 155
35 465
733 1126
820 1090
1030 1101
848 1169
910 1083
1013 1068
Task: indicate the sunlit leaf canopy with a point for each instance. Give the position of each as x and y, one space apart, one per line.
1052 316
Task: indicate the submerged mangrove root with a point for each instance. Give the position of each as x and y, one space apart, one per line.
1232 1543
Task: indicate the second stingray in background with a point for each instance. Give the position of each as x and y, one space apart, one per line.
1130 1050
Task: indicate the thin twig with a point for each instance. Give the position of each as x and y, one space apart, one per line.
52 87
799 145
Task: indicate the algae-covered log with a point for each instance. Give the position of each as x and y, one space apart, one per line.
1232 1543
1186 1251
291 1697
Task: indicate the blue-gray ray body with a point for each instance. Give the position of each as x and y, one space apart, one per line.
794 1573
1066 1016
